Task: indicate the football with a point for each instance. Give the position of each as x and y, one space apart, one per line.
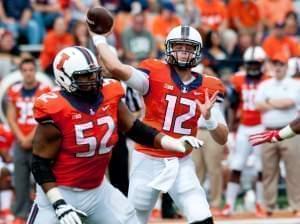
99 20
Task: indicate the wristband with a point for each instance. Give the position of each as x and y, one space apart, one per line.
99 39
54 195
211 124
172 144
286 132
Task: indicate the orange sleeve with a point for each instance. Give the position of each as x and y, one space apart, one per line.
113 88
149 65
40 111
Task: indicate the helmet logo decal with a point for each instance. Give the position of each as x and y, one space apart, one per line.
63 59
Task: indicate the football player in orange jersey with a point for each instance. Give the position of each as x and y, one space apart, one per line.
244 84
77 130
175 98
20 119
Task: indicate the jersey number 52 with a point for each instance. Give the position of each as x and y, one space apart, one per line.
92 140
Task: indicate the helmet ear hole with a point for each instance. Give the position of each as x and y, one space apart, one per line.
62 78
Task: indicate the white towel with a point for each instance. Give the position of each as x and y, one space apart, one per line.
164 181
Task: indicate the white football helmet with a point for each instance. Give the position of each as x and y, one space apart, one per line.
256 53
254 58
72 62
184 35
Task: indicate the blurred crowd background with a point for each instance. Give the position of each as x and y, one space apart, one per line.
41 28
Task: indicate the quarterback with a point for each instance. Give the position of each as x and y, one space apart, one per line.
175 98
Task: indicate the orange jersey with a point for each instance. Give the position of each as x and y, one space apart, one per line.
23 101
170 105
246 90
88 134
6 137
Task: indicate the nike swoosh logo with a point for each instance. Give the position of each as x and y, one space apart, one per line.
105 108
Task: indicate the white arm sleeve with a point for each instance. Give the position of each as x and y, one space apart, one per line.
216 113
138 81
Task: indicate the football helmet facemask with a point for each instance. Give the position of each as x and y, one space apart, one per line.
185 35
254 58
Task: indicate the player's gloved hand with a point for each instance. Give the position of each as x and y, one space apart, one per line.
264 137
66 213
191 142
181 144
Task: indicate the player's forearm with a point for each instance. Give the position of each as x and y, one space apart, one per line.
15 129
220 134
263 106
148 136
110 61
281 103
48 186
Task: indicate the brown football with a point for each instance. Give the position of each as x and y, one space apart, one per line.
99 20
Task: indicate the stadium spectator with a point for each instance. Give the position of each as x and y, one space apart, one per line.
277 99
189 14
163 23
245 15
81 35
137 42
54 41
20 118
9 53
279 42
292 27
16 15
78 9
44 13
213 53
213 14
273 11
